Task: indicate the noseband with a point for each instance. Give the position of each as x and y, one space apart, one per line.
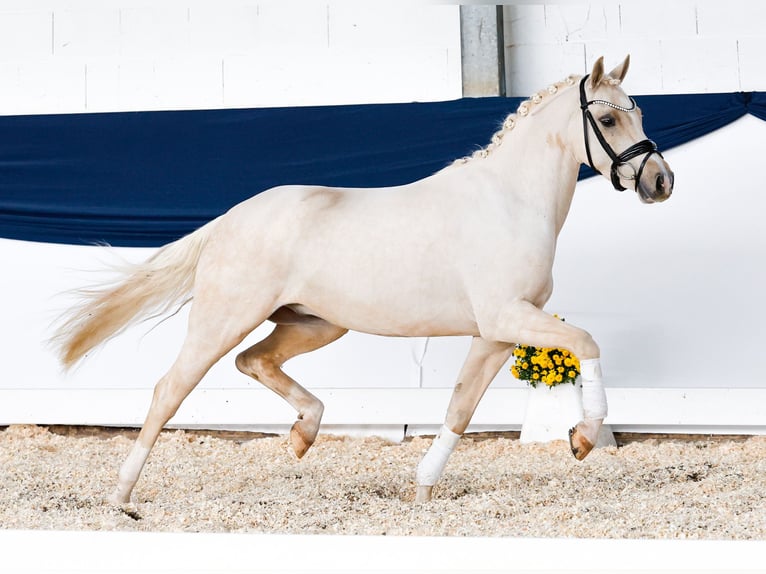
646 146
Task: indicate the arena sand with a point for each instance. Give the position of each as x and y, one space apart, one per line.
700 488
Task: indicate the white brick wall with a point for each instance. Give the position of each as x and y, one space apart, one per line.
675 47
81 56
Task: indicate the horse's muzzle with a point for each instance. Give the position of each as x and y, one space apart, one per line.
656 183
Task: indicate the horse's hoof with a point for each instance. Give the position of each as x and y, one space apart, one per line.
579 444
423 494
117 498
300 440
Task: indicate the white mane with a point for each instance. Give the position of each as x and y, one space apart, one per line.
524 109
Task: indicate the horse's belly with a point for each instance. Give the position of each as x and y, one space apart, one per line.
389 312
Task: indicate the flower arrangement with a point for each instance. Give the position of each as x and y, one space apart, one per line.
545 365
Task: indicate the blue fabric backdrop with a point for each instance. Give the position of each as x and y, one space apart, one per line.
147 178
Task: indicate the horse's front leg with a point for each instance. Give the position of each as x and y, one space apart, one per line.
523 322
485 358
583 436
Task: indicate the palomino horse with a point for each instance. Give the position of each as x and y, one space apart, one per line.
466 251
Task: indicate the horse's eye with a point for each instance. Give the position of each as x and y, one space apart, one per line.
607 121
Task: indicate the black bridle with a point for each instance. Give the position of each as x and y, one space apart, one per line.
646 146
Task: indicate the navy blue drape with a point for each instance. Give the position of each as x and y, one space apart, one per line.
147 178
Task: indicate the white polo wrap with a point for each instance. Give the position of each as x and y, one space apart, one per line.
593 395
431 467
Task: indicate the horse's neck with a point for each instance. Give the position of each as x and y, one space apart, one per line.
537 170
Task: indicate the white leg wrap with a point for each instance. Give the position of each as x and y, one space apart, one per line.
431 467
593 395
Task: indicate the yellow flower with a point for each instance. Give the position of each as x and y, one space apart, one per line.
548 364
550 378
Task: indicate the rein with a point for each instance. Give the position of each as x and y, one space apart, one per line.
646 146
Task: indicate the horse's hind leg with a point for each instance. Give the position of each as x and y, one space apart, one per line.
484 360
263 361
211 334
169 393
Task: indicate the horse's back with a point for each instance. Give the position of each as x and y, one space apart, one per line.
306 214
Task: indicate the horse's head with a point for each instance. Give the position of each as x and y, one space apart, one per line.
611 121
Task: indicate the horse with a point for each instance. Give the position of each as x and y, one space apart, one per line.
466 251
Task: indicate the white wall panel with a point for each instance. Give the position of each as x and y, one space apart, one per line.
81 34
655 21
232 29
182 54
675 47
156 31
533 67
30 87
721 19
577 23
751 52
701 65
303 24
646 57
377 25
189 84
25 35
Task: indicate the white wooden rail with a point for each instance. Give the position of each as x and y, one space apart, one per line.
387 412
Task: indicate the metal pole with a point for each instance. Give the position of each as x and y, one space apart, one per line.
483 50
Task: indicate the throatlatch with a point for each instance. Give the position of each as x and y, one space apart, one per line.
646 146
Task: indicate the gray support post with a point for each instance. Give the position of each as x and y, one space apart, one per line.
483 50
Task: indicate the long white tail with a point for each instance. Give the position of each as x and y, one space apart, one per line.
153 287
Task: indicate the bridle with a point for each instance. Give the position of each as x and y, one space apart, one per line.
646 146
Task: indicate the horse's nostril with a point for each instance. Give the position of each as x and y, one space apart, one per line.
660 182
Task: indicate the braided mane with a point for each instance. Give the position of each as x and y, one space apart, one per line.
524 109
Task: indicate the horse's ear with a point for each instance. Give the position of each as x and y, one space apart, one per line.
619 72
597 74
